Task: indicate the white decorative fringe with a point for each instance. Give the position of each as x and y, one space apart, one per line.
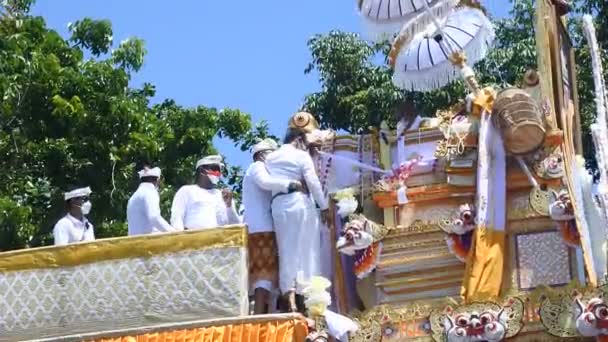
444 72
588 216
596 224
598 70
599 129
410 23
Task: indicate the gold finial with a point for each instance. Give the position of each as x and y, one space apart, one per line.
458 59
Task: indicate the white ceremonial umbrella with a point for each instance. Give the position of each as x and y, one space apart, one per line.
434 57
383 19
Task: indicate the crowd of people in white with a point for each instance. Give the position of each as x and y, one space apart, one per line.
283 202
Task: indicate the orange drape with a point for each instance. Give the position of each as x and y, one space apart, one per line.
272 331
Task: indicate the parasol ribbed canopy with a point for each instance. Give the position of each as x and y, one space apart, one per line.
383 19
424 63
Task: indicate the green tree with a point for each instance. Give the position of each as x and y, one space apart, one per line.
356 91
66 120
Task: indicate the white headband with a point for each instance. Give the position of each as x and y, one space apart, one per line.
210 160
82 192
146 172
265 145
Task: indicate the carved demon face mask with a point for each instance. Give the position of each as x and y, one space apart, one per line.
474 326
592 318
561 209
554 166
463 223
355 236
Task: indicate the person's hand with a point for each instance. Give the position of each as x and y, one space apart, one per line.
325 217
227 196
298 187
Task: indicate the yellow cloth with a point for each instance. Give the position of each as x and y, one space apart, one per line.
484 267
485 262
272 331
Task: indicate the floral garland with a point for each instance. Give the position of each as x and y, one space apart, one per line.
397 179
346 202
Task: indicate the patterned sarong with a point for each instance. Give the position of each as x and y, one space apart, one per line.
263 258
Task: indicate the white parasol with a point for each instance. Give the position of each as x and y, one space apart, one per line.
383 19
433 58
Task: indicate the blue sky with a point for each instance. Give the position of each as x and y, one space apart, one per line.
249 55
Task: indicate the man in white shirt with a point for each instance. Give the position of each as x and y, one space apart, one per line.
74 226
202 205
296 219
257 195
143 209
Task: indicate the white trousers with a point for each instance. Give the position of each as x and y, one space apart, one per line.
297 229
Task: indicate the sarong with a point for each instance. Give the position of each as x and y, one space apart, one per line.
263 260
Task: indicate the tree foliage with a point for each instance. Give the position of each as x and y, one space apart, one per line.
66 120
357 91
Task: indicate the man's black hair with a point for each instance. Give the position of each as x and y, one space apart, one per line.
293 134
407 107
407 110
148 179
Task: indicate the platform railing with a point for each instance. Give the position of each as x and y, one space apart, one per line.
123 283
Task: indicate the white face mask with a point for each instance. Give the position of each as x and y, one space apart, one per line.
214 179
86 208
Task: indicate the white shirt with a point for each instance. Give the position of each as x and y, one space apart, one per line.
292 164
143 212
70 229
197 208
257 195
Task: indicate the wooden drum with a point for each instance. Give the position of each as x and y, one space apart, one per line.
520 120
